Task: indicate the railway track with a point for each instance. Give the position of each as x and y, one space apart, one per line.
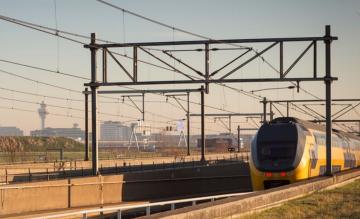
121 166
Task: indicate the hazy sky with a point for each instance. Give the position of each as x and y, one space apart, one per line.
215 19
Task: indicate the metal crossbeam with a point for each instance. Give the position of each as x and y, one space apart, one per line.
315 100
337 120
229 114
197 42
149 91
235 80
249 129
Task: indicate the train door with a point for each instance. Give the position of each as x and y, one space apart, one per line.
313 155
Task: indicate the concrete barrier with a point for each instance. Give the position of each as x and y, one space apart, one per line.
233 207
44 195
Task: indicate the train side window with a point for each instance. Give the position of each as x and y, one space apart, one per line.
345 143
323 139
357 145
353 144
334 142
316 136
319 138
338 141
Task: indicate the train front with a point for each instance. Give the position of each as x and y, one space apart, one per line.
276 152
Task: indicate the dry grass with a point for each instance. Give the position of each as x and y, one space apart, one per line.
343 202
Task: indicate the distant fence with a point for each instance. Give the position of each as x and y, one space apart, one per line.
104 154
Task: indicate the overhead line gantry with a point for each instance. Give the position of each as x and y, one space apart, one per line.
208 77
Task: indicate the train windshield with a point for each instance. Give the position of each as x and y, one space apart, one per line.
276 146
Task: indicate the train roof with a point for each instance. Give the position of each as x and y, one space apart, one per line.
311 125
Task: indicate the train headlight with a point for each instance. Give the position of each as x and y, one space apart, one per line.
268 174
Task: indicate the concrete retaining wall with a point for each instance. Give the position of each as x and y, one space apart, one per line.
61 194
135 186
20 200
230 207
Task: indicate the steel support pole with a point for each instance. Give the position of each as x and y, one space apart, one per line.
281 59
104 66
207 68
315 60
188 123
229 125
94 146
238 132
287 109
143 106
86 125
202 125
135 66
271 111
264 105
328 81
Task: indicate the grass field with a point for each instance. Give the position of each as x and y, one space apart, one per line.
342 202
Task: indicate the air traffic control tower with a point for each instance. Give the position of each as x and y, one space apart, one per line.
42 113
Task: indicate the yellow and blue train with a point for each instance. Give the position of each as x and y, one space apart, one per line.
288 150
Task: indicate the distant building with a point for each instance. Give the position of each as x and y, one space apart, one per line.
75 132
10 131
114 131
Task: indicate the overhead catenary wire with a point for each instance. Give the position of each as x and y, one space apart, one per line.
53 114
57 32
125 56
159 23
44 69
134 119
38 82
66 107
34 111
72 75
62 88
199 36
58 72
78 35
67 89
41 95
78 117
76 91
57 38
